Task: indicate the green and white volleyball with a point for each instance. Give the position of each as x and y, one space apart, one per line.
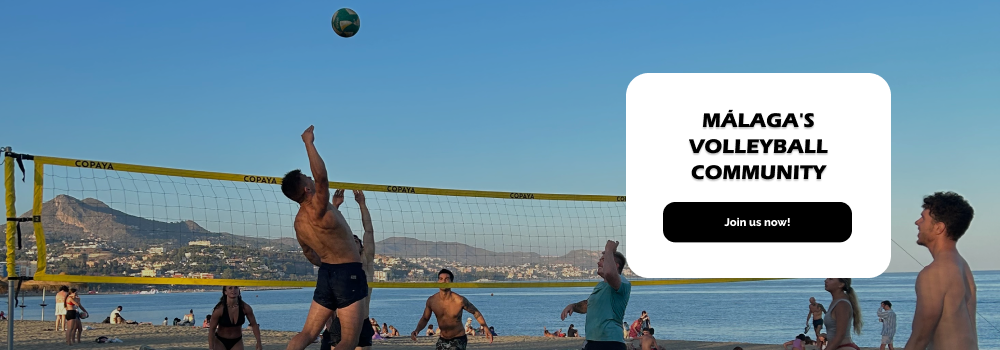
346 22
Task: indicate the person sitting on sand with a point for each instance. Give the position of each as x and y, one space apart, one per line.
114 314
188 319
572 332
430 330
821 341
797 344
647 341
468 327
207 321
493 332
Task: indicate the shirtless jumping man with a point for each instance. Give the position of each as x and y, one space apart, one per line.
448 306
327 242
367 248
945 316
816 311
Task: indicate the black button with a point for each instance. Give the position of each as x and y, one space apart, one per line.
757 222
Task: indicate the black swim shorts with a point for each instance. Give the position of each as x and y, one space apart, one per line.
332 336
340 285
604 345
459 343
817 323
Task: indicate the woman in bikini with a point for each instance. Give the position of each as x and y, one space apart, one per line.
844 313
73 310
225 330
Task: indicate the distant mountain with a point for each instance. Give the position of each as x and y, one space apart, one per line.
69 219
414 248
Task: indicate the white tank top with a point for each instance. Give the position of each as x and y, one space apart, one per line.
831 324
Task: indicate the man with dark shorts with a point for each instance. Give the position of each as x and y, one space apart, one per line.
327 242
366 247
816 311
448 307
605 308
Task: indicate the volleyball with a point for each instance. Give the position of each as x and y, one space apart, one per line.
346 22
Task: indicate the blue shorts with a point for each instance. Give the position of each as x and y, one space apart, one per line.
340 285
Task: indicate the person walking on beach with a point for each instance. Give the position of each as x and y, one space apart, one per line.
816 311
366 247
61 308
327 242
888 319
945 316
447 306
225 329
605 308
844 313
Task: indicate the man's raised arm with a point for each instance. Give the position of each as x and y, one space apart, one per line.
318 168
366 220
610 268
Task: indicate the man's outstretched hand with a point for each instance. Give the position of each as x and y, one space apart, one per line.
567 312
338 198
358 196
308 136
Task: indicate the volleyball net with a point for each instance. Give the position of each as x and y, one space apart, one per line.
105 222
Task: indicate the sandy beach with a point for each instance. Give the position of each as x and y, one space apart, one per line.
37 335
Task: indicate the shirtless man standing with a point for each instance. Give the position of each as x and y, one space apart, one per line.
945 317
816 311
448 306
367 248
327 242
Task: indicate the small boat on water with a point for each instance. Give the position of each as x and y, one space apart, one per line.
151 291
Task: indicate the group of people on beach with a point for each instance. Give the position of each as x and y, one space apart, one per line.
945 306
945 315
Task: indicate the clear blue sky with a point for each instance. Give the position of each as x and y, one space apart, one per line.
520 96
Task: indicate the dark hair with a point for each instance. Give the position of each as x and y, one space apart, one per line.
620 260
951 209
72 290
801 337
207 317
222 301
63 289
291 185
451 276
887 303
570 325
650 329
119 306
192 310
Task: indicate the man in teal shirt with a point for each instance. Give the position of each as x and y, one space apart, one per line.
605 308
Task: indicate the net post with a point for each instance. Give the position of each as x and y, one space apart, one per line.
8 172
